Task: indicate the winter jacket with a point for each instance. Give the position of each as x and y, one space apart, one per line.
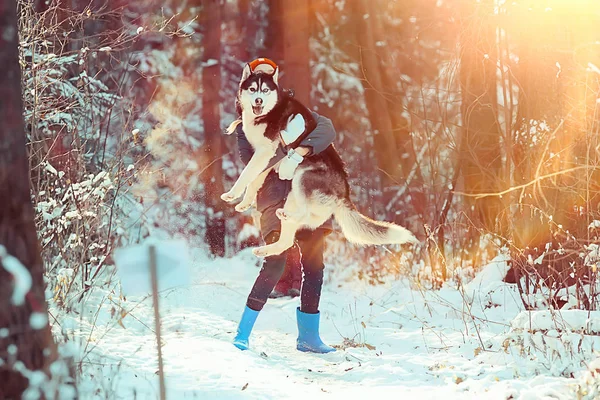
274 191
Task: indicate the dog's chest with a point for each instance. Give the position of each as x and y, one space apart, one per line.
256 135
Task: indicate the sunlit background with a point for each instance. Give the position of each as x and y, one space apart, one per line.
474 123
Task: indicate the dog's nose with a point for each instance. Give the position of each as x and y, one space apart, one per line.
258 102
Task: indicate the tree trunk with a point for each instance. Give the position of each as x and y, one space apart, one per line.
402 136
382 125
245 29
480 151
211 116
248 29
296 51
537 102
33 345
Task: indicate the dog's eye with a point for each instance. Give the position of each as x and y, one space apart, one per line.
252 90
265 90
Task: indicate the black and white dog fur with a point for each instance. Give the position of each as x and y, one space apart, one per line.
320 183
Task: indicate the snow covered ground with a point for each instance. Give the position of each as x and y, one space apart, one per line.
411 343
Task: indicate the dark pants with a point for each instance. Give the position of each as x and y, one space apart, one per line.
311 245
290 282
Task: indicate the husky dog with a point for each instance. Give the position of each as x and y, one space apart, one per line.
320 183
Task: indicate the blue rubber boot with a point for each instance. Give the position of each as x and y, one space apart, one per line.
243 332
308 333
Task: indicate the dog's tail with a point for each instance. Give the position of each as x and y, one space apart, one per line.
363 230
231 128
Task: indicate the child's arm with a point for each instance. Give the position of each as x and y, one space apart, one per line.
318 140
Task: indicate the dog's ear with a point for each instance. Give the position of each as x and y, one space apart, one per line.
276 76
246 72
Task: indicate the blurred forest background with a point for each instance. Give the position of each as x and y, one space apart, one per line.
473 123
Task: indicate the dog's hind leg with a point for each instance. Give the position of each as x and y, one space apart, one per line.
292 217
286 240
295 207
251 192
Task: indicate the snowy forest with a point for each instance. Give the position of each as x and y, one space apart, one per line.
474 124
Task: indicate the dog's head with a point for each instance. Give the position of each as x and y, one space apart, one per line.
258 90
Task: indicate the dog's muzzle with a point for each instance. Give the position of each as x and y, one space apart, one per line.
257 110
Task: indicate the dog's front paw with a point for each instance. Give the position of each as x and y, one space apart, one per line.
242 207
228 197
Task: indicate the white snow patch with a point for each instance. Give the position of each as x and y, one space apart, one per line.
38 320
593 68
594 225
22 277
248 231
489 277
571 320
210 62
558 342
51 169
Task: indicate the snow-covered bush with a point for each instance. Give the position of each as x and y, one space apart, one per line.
74 125
558 342
553 234
74 221
588 386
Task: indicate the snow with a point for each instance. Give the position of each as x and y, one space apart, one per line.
562 342
21 276
399 341
571 320
489 278
38 320
593 68
595 224
247 231
51 169
210 62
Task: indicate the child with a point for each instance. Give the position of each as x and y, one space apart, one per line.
272 196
